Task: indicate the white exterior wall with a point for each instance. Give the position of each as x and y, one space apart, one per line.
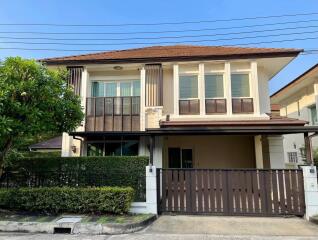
298 107
276 152
258 151
311 191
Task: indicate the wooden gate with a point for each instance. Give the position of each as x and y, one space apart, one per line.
231 192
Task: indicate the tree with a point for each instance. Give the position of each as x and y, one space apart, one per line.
34 100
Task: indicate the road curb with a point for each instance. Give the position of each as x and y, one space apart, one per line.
76 228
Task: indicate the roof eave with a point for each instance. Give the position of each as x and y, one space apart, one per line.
178 58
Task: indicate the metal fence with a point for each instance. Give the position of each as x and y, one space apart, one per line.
136 180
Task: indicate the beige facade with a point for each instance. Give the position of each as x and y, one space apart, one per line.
214 151
298 100
208 151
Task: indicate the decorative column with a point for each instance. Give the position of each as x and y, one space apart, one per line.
176 89
227 87
255 87
258 151
201 87
311 190
142 99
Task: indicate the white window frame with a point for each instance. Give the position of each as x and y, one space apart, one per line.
185 75
118 82
249 82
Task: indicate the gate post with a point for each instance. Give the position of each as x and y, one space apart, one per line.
151 189
310 190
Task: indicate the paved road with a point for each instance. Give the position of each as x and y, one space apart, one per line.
144 236
202 227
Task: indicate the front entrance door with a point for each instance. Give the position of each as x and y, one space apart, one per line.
180 158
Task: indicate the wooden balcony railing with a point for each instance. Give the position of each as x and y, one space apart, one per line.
215 106
242 105
112 114
189 107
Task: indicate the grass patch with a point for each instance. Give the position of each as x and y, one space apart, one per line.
102 219
119 219
16 217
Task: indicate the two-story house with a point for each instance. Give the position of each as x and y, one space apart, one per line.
202 114
298 99
185 106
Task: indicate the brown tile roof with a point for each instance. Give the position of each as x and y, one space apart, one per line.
176 52
273 121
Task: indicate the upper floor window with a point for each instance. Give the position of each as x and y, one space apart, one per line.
116 89
214 86
240 85
188 87
313 114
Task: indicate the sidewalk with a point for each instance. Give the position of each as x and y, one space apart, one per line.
74 224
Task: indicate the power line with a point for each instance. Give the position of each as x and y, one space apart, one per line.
156 24
155 43
102 50
156 32
159 37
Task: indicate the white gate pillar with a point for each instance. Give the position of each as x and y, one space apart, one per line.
151 189
311 190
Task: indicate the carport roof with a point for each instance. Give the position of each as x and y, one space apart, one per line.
216 130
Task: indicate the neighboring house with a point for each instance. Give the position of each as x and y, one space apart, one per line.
192 109
298 99
185 106
50 145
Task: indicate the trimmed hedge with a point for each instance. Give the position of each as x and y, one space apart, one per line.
94 164
122 171
56 200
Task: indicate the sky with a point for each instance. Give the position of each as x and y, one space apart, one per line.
300 31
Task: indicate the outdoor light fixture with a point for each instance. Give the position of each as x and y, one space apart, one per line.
74 149
118 68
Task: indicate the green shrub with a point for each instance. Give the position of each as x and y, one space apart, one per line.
100 164
123 171
56 200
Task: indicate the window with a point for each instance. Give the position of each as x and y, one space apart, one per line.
111 90
313 115
136 88
180 158
95 149
188 87
98 89
113 148
125 89
292 157
240 85
214 86
114 89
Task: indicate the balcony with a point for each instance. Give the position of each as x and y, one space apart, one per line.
112 114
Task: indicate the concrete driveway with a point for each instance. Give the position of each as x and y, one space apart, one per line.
202 227
218 225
